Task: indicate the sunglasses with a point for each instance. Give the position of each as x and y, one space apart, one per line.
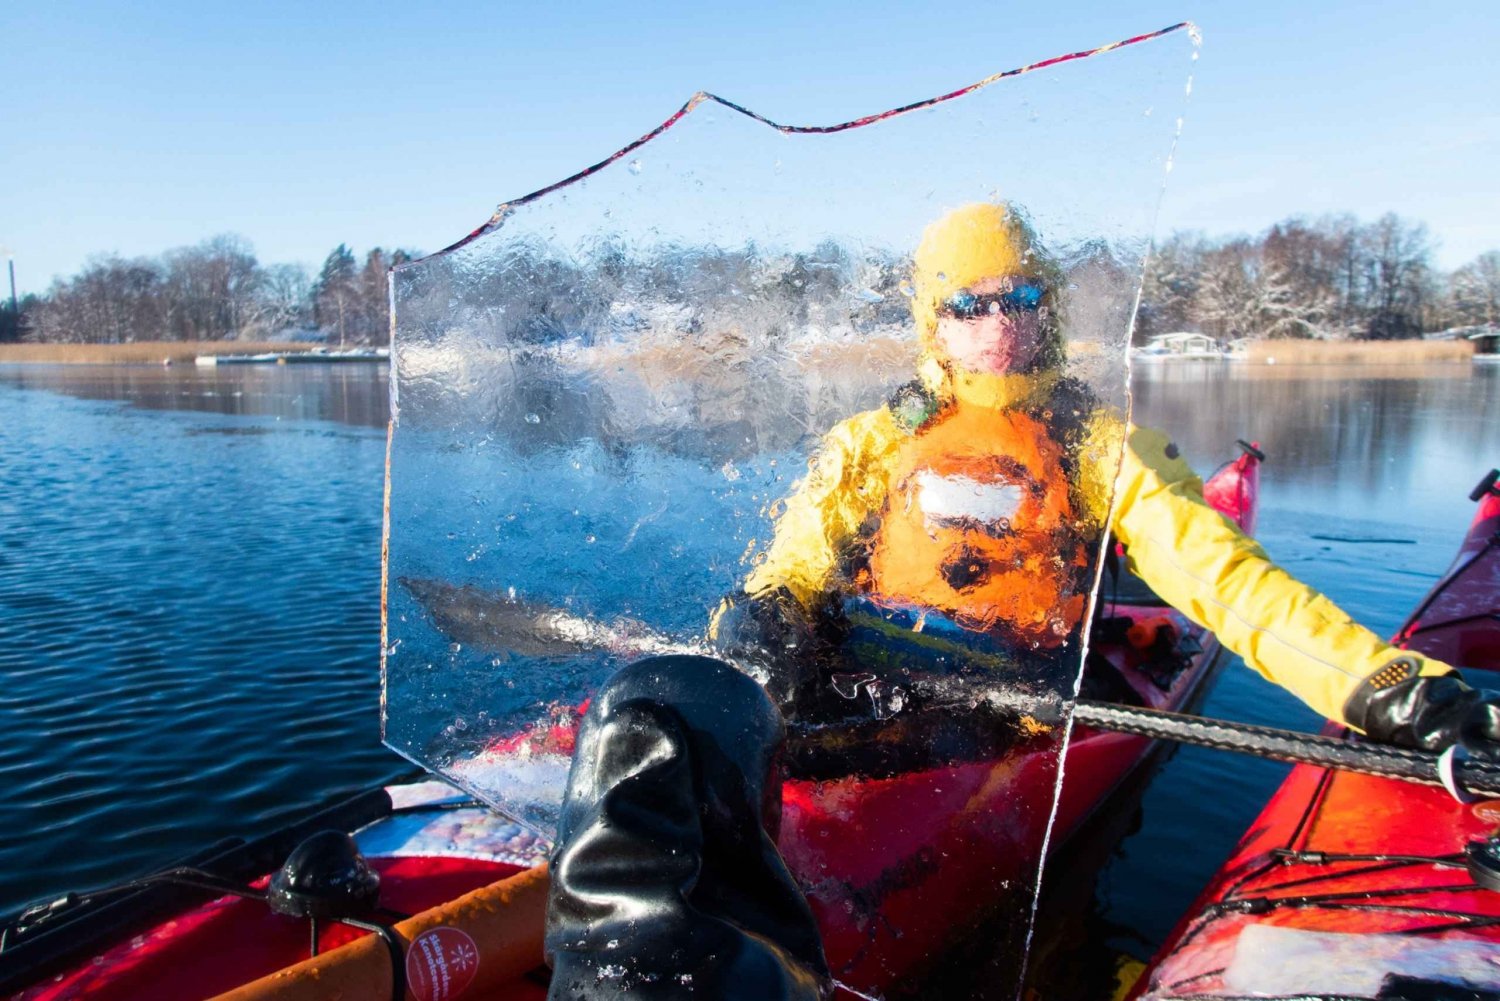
1024 297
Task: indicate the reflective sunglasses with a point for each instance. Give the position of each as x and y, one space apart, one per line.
1024 297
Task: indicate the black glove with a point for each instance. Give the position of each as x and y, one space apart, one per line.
794 647
1396 706
666 882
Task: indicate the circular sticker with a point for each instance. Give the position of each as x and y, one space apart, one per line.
440 964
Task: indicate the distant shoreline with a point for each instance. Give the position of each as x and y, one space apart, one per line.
142 352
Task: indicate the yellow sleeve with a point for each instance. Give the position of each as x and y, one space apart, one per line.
1203 565
845 481
1099 465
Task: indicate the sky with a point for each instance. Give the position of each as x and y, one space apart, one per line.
136 128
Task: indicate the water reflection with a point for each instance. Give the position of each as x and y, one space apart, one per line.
348 394
1347 439
1353 434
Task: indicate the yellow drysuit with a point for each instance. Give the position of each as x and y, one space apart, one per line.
1196 559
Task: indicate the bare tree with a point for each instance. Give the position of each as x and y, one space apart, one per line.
283 300
112 300
1225 300
210 289
1302 266
1397 277
1174 272
1474 290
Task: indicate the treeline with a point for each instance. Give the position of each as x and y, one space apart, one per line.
216 290
1331 278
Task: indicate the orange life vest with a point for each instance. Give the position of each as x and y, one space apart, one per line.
979 524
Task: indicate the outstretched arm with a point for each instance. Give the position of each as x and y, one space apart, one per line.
1202 564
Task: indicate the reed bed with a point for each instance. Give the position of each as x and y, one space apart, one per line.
1359 352
140 352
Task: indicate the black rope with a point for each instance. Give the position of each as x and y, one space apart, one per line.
180 876
1303 831
1289 857
1326 877
1480 921
397 949
1254 905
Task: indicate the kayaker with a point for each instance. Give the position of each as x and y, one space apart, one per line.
980 489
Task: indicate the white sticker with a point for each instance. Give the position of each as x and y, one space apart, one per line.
441 964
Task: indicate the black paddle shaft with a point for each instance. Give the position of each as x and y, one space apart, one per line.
1479 778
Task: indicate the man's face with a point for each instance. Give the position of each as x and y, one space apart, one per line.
996 339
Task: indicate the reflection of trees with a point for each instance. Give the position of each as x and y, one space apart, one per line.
346 394
1321 427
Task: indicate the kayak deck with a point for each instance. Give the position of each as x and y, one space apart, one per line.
1354 886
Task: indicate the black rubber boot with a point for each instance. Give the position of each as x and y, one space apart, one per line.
666 882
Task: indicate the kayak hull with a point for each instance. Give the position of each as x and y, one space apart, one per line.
1352 885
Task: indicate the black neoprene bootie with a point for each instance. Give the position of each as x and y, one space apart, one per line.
666 882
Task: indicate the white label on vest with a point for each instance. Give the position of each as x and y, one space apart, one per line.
948 499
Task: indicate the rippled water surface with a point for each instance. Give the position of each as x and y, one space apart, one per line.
189 609
189 594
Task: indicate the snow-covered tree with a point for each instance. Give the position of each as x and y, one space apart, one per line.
1474 291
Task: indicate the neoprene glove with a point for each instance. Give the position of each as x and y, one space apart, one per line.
793 647
1432 714
666 881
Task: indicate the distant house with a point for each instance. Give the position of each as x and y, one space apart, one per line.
1485 336
1182 344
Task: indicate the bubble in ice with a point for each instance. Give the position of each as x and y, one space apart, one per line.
635 166
533 419
869 295
907 289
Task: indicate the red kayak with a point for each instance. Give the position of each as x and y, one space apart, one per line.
900 864
1355 886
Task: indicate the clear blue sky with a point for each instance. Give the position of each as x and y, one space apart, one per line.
133 128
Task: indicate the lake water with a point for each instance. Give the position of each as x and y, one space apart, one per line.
189 594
